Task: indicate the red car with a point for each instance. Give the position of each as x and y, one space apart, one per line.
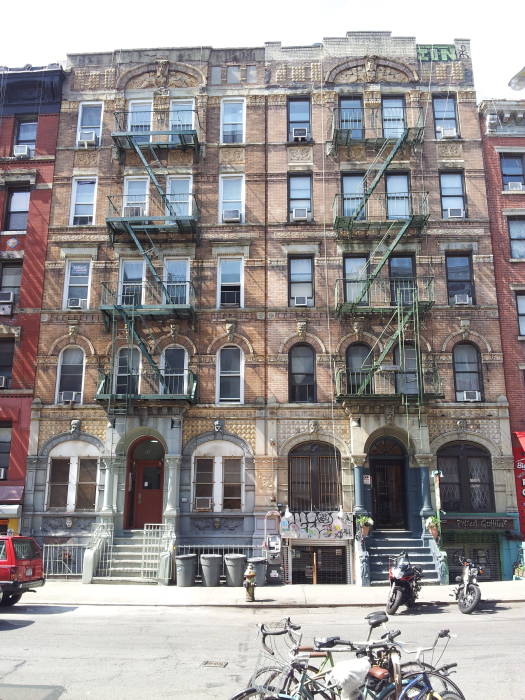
21 567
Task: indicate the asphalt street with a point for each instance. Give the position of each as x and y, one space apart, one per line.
128 652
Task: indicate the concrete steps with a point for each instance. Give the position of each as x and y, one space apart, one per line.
126 560
383 544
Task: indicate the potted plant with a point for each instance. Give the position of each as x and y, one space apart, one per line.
432 525
365 522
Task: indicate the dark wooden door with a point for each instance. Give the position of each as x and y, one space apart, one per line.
388 493
148 492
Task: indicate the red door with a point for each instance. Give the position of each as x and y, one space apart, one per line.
148 492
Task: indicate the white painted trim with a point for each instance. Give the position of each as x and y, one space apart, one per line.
186 362
187 100
76 180
125 191
59 371
69 263
219 278
222 178
91 104
189 178
239 100
209 451
218 375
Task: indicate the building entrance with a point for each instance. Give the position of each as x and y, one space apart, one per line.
387 471
145 484
313 564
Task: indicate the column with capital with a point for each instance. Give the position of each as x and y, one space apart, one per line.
358 462
425 462
108 464
172 472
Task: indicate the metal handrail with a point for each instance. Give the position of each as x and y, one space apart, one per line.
161 383
361 123
158 121
152 206
380 206
149 293
387 380
383 292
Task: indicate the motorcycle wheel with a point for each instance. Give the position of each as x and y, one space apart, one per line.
469 602
394 601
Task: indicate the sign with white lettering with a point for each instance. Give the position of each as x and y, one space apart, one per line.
477 524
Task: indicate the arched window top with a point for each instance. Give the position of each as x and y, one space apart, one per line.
230 368
466 485
301 373
318 448
72 355
467 372
464 352
463 448
70 375
358 355
387 447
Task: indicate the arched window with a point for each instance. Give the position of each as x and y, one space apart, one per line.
467 372
314 481
127 371
358 362
72 477
466 485
302 374
229 368
174 368
70 375
218 477
406 376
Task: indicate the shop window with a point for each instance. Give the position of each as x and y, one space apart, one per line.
466 485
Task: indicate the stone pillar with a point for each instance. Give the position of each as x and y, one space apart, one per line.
359 464
171 474
108 465
425 462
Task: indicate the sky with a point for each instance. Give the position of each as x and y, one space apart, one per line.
48 31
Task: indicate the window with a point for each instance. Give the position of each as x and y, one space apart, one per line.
181 116
445 121
301 281
5 445
139 120
127 371
230 388
230 282
397 197
17 210
467 372
353 191
179 196
512 171
302 374
466 485
216 75
89 124
7 351
77 284
355 274
459 279
135 196
83 202
72 483
232 121
406 377
402 279
520 303
359 360
351 116
132 282
393 117
26 134
174 368
517 237
233 74
299 197
251 74
314 477
11 279
452 196
176 280
218 482
231 196
70 375
299 119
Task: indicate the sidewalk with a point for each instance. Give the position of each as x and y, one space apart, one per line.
301 596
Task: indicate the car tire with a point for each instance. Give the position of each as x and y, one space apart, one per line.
9 599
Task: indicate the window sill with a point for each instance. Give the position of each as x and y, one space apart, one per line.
513 191
521 337
517 260
13 233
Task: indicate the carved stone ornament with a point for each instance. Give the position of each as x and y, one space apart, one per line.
161 78
450 150
230 330
75 427
218 426
174 330
313 426
300 154
301 329
389 415
231 155
371 69
72 330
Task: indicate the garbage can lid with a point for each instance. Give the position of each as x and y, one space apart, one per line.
211 556
235 556
257 560
185 556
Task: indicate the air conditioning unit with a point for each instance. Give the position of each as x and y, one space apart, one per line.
231 215
449 133
88 139
389 368
301 301
300 214
468 395
21 151
3 382
69 397
133 210
300 133
7 297
76 303
82 221
3 473
515 186
455 213
462 299
202 503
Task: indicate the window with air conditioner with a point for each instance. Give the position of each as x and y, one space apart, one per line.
179 197
232 120
299 198
89 124
300 281
520 304
25 139
10 282
72 480
445 117
230 282
231 199
7 351
83 202
135 203
5 446
299 127
140 116
301 374
218 480
467 372
452 196
70 376
132 285
230 385
513 172
77 284
460 287
17 210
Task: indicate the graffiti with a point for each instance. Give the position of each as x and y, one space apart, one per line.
444 52
317 525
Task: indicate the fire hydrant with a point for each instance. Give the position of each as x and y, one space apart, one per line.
249 583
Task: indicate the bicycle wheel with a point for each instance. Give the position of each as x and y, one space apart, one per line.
255 694
435 684
410 667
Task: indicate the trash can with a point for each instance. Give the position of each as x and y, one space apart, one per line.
235 566
259 564
186 565
274 572
211 565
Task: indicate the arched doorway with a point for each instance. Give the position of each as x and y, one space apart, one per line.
387 459
145 480
314 481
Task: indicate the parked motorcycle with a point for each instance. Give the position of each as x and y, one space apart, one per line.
405 582
467 592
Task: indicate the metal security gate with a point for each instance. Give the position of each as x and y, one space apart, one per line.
319 564
482 548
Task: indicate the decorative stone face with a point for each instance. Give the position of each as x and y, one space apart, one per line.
231 155
151 80
300 154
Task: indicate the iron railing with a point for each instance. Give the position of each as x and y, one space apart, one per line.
354 124
150 293
380 207
64 560
159 125
143 208
163 384
387 380
383 292
248 550
157 539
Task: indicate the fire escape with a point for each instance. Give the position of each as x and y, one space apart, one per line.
145 217
379 208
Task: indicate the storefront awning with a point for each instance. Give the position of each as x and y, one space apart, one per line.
520 438
11 494
12 511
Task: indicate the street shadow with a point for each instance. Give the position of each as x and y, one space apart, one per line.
423 609
9 626
31 692
38 610
489 607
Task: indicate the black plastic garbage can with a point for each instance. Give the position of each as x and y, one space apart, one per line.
211 565
186 566
259 564
235 567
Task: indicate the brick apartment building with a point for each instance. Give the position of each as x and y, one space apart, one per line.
503 134
29 106
269 289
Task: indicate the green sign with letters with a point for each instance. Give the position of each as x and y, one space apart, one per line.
437 52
